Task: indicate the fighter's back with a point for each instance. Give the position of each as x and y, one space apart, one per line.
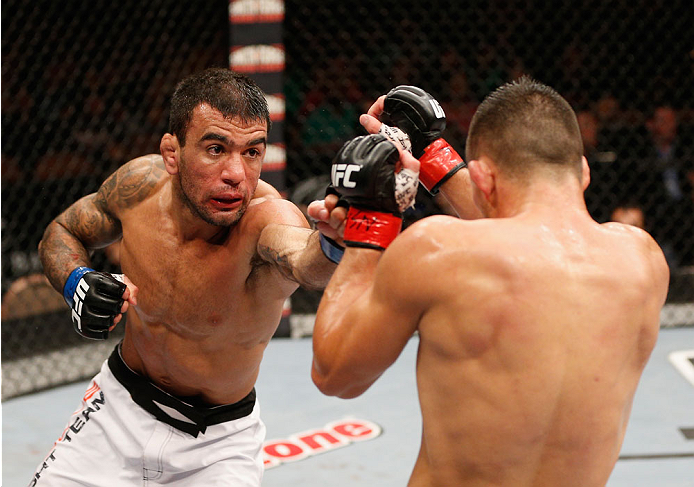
532 347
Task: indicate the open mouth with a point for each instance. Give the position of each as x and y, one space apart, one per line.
226 202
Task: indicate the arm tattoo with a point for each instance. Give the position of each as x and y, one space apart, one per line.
131 184
92 222
299 258
60 253
282 260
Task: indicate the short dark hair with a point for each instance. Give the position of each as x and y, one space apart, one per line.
233 94
524 124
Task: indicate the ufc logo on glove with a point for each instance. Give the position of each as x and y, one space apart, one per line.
78 297
96 299
344 172
438 111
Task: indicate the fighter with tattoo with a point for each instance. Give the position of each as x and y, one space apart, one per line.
209 254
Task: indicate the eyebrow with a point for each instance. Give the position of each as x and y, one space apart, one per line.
259 140
225 140
214 136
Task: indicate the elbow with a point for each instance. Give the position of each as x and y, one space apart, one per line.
314 277
329 385
323 381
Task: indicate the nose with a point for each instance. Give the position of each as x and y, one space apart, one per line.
233 170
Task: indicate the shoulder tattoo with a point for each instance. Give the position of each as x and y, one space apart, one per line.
130 184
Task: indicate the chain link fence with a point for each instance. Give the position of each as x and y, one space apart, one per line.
85 88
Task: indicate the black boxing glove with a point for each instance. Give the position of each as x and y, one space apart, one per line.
96 299
420 116
363 172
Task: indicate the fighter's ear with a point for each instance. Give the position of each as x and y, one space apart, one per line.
585 173
482 175
170 148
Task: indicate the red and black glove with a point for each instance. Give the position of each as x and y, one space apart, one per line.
419 115
363 172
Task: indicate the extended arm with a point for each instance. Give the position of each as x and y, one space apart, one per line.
295 249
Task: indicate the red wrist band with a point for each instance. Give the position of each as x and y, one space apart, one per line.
370 229
439 162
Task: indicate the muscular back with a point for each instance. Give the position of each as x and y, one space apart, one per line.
531 347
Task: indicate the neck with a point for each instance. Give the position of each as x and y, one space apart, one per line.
540 196
186 223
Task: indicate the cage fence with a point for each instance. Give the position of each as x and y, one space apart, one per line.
85 88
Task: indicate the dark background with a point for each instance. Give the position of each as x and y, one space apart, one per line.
85 88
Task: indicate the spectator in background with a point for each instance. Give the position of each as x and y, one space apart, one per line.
666 187
618 132
668 152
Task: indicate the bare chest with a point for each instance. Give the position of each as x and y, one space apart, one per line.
193 287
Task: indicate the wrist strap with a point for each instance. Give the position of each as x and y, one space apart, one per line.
332 250
439 162
71 283
371 229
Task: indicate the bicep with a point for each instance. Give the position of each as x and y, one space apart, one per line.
281 244
286 232
93 218
90 223
393 299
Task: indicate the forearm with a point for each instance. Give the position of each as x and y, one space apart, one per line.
296 253
458 192
337 333
311 268
60 253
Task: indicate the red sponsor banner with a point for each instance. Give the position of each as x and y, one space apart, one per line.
276 104
256 11
337 434
275 157
257 58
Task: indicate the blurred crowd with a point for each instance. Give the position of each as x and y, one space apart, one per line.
642 161
88 90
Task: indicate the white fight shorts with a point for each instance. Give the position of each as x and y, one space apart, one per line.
129 432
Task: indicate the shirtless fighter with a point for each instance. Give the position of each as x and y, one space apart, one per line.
534 324
209 255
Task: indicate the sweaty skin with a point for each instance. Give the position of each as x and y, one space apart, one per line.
534 328
209 284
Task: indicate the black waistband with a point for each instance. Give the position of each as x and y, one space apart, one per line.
172 410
